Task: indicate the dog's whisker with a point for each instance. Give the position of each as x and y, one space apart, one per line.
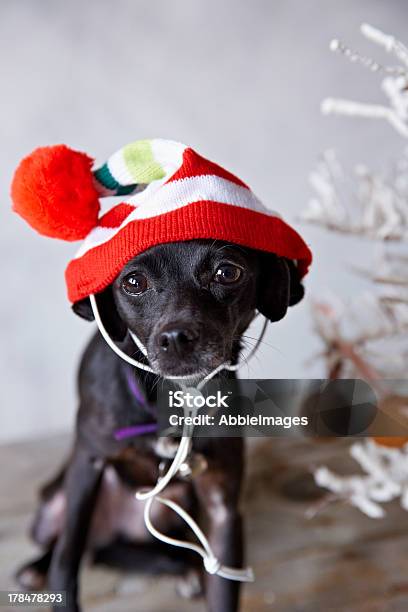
268 344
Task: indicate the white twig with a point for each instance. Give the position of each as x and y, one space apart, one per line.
388 42
370 204
337 106
385 478
395 85
355 57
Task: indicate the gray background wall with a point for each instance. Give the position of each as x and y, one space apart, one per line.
239 81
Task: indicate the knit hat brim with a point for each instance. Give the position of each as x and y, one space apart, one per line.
204 219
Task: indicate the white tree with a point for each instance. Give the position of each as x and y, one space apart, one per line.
367 337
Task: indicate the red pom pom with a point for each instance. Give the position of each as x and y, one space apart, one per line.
53 190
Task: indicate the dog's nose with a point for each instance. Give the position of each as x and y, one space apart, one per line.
178 340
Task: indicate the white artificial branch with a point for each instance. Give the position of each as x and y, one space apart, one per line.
367 337
337 106
394 85
387 41
385 478
369 204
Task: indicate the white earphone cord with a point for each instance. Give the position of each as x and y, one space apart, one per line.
211 563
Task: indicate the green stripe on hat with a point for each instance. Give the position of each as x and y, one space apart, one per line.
141 163
125 189
105 178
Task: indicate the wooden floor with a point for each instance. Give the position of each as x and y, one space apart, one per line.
337 561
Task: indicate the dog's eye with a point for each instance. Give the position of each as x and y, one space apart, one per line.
227 274
135 283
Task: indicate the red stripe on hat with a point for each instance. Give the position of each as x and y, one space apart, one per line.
97 268
115 216
195 165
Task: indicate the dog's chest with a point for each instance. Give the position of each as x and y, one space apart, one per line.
141 467
119 513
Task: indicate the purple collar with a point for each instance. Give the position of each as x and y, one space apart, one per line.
134 387
144 428
136 430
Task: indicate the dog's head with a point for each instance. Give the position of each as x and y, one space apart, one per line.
190 302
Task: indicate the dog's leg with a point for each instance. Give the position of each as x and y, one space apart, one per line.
32 576
81 486
226 541
218 493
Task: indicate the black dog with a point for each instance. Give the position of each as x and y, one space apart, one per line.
190 304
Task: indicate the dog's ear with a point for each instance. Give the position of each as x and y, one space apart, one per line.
107 310
279 286
83 309
296 289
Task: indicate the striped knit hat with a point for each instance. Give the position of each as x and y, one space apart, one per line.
168 193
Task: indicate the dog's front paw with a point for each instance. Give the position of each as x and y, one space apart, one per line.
30 577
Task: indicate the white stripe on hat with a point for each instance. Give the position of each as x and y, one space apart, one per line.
172 196
169 154
118 168
179 193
